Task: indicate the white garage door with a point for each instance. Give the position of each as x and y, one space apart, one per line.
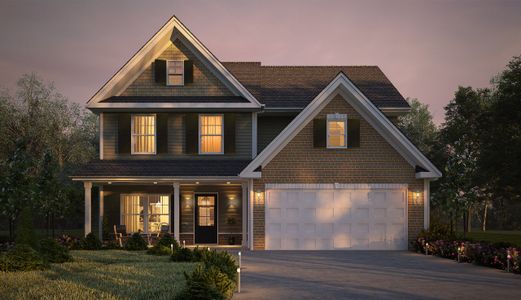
330 217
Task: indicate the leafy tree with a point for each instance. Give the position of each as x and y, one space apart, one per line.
52 198
418 125
17 187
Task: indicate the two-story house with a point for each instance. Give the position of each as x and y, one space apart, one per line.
268 157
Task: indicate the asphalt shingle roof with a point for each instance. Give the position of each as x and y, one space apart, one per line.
296 86
160 168
176 99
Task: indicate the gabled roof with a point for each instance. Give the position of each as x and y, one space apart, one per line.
352 94
297 86
161 168
172 30
176 99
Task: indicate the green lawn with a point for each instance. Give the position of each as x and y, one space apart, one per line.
497 236
110 274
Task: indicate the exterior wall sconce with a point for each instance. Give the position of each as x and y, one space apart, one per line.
416 197
259 197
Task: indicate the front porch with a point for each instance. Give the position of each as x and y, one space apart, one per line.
196 212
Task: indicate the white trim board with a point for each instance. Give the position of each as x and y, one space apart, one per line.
341 85
172 30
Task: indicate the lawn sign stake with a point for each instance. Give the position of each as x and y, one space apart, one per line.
509 257
239 274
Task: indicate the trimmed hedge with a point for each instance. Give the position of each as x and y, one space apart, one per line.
163 246
493 255
91 242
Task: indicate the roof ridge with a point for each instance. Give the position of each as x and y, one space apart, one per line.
320 66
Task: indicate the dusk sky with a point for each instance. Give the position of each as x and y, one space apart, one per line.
426 48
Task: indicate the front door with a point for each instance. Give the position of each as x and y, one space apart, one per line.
206 219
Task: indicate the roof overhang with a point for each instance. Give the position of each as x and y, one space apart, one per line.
171 31
173 106
341 85
395 111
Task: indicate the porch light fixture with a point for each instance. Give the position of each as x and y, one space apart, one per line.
155 182
227 182
197 182
259 197
110 182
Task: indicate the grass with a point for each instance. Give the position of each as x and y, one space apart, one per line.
494 236
111 274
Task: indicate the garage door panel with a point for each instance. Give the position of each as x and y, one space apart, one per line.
314 219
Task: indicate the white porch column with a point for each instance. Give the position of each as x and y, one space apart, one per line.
101 213
177 221
426 204
87 185
244 215
250 214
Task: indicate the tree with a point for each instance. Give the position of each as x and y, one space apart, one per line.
17 188
52 197
461 188
418 125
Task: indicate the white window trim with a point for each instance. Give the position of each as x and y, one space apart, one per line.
145 209
167 63
132 135
336 117
199 135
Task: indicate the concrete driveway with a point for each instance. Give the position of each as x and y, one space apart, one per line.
369 275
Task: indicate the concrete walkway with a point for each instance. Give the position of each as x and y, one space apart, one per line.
369 275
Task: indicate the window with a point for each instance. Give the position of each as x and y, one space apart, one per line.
143 134
337 131
206 206
145 213
211 134
175 72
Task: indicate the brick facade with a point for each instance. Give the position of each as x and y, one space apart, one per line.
375 161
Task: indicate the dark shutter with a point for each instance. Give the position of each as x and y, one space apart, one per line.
353 133
191 133
319 133
160 71
124 133
162 133
189 71
229 133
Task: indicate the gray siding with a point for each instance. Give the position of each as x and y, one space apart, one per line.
268 127
176 139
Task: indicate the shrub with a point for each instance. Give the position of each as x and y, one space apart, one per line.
69 242
223 261
182 255
110 245
207 283
53 252
198 254
21 258
136 243
166 241
91 242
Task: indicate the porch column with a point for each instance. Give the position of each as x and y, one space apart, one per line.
177 221
87 185
101 213
244 215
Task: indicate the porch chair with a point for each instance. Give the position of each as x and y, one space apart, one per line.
119 232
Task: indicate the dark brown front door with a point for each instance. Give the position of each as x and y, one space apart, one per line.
206 219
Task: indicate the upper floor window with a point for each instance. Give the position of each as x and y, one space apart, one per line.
143 134
211 134
336 131
175 72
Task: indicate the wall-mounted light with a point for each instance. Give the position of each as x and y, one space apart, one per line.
155 182
416 197
227 182
259 197
197 182
110 182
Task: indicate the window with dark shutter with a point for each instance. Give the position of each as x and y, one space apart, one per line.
191 133
162 133
160 71
353 133
319 133
124 133
229 133
189 71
